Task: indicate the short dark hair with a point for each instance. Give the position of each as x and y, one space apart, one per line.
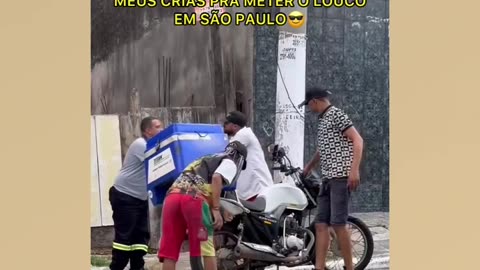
147 123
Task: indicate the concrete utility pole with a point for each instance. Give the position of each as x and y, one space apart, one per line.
289 120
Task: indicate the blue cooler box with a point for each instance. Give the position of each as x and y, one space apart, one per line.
173 149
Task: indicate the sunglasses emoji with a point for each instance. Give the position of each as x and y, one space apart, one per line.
296 19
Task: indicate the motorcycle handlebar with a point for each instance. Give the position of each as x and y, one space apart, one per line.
288 169
292 171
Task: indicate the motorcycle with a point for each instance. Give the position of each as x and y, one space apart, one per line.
273 228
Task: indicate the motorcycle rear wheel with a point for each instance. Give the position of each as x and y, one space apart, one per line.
363 259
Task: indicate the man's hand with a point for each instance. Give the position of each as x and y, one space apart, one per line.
310 165
307 170
227 216
217 219
354 180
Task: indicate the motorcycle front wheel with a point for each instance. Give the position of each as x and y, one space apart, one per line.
362 246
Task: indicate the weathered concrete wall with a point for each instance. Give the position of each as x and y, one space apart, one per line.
266 43
347 52
129 47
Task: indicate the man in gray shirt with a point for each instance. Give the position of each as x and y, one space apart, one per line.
129 200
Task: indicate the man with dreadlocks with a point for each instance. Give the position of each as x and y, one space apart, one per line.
191 202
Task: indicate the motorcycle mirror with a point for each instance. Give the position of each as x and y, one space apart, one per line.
270 148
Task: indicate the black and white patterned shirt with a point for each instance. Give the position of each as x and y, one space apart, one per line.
335 149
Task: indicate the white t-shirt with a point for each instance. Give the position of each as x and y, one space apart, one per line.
227 169
256 176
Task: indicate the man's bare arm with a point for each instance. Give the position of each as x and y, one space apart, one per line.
313 162
217 184
357 140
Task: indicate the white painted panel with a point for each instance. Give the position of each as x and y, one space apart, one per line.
95 213
109 159
289 123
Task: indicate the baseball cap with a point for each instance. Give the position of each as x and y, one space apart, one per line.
237 118
314 93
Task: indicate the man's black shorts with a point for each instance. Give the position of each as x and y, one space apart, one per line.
333 202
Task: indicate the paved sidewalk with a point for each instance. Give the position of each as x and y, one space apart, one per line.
378 223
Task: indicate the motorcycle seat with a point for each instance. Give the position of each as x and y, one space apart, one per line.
257 205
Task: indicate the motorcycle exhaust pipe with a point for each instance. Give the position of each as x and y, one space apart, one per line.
245 252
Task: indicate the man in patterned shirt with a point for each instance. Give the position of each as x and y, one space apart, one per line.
339 152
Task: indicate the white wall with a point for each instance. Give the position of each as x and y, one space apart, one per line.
106 162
